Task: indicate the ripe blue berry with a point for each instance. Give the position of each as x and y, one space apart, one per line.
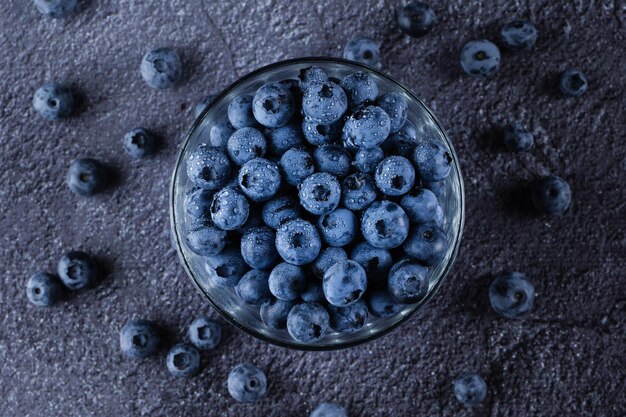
311 75
240 112
208 167
511 295
324 102
204 333
432 160
259 179
298 242
480 58
573 83
402 142
320 134
139 339
328 410
284 138
338 228
408 282
53 101
375 261
385 225
286 281
308 322
367 128
220 133
86 177
43 289
274 313
57 9
367 159
333 159
183 360
470 389
320 193
139 143
253 288
230 209
427 244
313 292
247 383
297 164
258 248
363 50
395 175
518 35
420 205
516 138
204 238
396 107
77 270
416 19
360 88
358 191
381 304
344 283
280 210
161 68
203 104
246 144
348 319
226 268
273 105
327 258
551 195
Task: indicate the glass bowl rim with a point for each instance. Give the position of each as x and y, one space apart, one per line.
177 239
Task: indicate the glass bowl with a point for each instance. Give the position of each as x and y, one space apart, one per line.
225 300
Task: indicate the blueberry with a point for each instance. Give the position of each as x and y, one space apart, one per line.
311 75
518 35
516 138
511 295
396 108
402 142
328 410
348 319
439 188
324 102
229 209
77 270
274 313
408 282
204 238
240 112
381 304
298 242
57 9
327 258
363 50
427 244
440 218
320 134
139 339
280 210
255 220
139 143
551 195
183 360
297 164
204 333
360 88
366 159
344 283
259 179
253 288
313 292
86 177
258 248
333 159
432 160
420 205
470 389
273 105
320 193
480 58
287 281
573 83
220 133
53 101
358 191
284 138
43 289
246 144
385 225
367 128
203 104
395 175
161 68
226 268
375 261
208 167
338 228
247 383
416 19
308 322
294 88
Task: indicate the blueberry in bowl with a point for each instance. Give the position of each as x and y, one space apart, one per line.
317 204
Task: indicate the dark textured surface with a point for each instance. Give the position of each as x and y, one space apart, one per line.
567 358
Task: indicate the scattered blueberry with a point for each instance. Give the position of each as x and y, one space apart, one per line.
220 133
551 195
77 270
53 101
313 292
297 164
511 295
333 159
360 88
327 258
381 304
283 138
573 83
324 102
240 112
375 261
139 143
385 225
310 76
204 333
480 58
259 179
286 281
363 50
226 268
246 144
516 138
280 210
328 410
432 160
274 313
57 9
208 167
420 205
253 288
470 389
518 35
258 248
408 282
338 228
320 134
367 128
86 177
344 283
308 322
320 193
427 244
298 242
139 339
247 383
161 68
204 238
358 191
367 159
348 319
43 289
396 108
183 360
273 105
416 19
395 175
229 209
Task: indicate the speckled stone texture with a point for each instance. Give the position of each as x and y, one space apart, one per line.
567 358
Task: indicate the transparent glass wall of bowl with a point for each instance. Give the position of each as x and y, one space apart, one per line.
225 299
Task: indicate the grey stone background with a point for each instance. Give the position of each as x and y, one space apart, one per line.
567 358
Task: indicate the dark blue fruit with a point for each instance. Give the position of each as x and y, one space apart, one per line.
338 228
358 191
220 133
573 83
286 281
259 179
204 333
396 107
427 244
367 128
246 383
197 203
344 283
375 261
470 389
518 35
240 112
298 242
258 249
308 322
283 138
226 268
273 105
43 289
381 304
363 50
327 258
86 177
311 75
420 205
511 295
402 142
77 270
313 293
53 101
274 313
348 319
280 210
245 144
433 160
57 9
360 88
139 339
161 68
208 167
230 209
297 164
253 288
324 103
139 143
367 159
183 360
551 195
480 58
320 193
395 175
333 159
408 282
329 410
320 134
416 19
385 225
204 238
516 138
